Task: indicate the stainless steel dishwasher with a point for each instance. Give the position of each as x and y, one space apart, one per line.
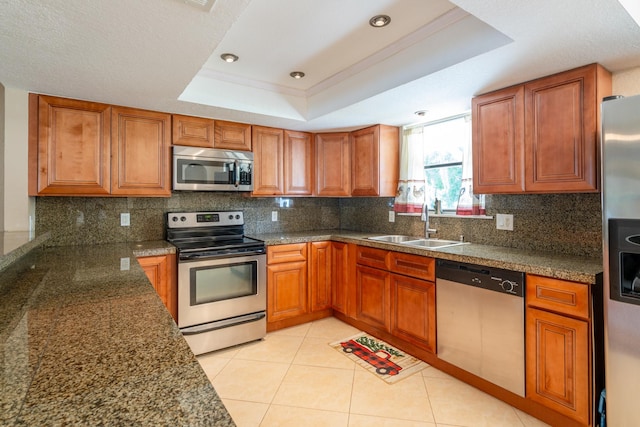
480 322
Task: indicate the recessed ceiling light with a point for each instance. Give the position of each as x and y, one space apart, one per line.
421 113
229 57
379 21
297 74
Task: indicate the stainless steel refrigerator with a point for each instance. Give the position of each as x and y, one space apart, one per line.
621 258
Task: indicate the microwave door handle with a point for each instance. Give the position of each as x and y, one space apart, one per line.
237 173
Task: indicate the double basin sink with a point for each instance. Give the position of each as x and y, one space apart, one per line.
412 241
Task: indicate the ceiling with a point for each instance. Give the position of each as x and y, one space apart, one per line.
435 55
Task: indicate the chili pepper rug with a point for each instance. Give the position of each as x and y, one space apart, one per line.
384 361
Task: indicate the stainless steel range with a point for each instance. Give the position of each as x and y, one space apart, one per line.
222 295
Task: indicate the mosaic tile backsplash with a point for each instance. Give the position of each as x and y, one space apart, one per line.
562 223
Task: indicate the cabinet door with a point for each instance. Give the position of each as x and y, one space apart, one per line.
286 290
333 164
298 163
339 276
372 297
232 136
413 311
161 271
268 174
320 276
374 161
192 131
73 143
498 141
561 132
558 363
141 153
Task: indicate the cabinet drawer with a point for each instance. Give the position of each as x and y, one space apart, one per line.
413 265
286 253
571 298
372 257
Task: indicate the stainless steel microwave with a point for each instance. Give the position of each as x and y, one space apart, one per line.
208 169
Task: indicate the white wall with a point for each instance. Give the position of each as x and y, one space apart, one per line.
15 205
627 83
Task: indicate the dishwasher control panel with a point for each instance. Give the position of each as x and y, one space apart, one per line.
490 278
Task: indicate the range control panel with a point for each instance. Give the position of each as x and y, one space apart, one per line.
204 219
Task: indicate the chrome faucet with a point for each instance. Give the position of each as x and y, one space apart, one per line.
425 217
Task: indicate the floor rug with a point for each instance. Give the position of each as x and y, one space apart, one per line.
384 361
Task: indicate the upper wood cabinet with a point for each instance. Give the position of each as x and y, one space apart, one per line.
83 148
268 172
298 163
192 131
333 164
232 136
542 136
498 141
374 161
140 152
69 144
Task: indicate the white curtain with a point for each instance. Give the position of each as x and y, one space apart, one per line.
411 186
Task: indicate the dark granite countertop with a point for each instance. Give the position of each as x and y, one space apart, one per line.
579 269
86 343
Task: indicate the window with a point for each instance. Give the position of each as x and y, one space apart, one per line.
446 146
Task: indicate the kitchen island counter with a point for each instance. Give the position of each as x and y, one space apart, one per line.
559 266
86 341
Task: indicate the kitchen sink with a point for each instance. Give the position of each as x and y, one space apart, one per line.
433 243
394 238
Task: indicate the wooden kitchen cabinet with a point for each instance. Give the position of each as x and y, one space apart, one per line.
140 153
413 311
161 271
69 145
232 136
339 276
541 136
80 148
298 163
373 293
268 171
287 295
498 141
558 347
374 161
320 275
333 164
192 131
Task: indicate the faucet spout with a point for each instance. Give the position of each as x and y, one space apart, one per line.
425 217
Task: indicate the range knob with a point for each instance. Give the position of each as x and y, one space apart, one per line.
174 219
183 218
230 216
237 216
508 286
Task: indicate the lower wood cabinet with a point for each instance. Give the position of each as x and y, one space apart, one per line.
413 311
339 276
299 277
286 281
558 348
372 297
396 293
161 271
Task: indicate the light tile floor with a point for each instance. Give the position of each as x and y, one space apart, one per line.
293 378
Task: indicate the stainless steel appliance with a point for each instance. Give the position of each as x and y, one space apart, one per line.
621 258
221 279
206 169
480 322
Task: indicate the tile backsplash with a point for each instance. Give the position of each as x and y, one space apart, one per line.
562 223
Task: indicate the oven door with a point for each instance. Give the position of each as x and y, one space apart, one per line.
220 288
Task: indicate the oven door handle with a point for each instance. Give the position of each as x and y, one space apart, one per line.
221 324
